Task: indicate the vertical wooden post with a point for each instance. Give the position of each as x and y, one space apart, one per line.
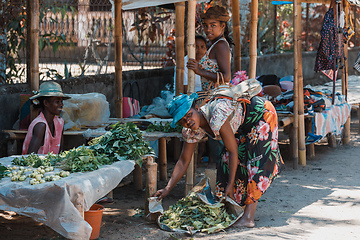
275 27
179 46
191 81
253 38
344 89
118 61
83 22
151 181
235 9
34 51
137 177
162 159
299 76
295 126
310 148
191 43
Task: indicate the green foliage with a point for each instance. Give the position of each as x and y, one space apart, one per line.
166 127
193 212
122 142
16 40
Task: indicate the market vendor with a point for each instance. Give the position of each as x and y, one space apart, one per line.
45 133
250 159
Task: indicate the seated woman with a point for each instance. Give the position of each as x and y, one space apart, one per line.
250 159
45 133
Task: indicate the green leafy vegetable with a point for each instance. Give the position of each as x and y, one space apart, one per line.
122 142
194 213
163 127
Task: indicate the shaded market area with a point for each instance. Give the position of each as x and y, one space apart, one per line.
120 148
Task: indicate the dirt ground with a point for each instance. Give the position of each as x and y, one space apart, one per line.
318 201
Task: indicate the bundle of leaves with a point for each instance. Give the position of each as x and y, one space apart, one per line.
191 212
81 159
122 142
160 127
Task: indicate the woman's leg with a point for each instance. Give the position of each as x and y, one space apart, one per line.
247 220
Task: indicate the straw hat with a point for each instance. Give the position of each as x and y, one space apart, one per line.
49 89
179 106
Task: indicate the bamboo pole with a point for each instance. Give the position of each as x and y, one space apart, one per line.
235 8
118 60
310 148
191 80
34 51
297 48
253 38
286 121
162 159
295 126
179 46
191 43
344 88
275 28
151 181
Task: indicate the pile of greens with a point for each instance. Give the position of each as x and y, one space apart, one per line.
81 159
194 213
159 127
122 142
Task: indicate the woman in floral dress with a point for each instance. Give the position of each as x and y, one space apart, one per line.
250 159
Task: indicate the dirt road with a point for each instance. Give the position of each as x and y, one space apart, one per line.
318 201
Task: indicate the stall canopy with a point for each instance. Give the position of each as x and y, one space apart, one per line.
133 4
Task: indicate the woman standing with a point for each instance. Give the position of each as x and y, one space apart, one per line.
217 59
45 133
250 160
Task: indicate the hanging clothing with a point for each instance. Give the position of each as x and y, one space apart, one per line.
210 65
51 143
256 131
328 51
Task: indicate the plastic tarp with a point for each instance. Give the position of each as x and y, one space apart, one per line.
89 109
133 4
53 203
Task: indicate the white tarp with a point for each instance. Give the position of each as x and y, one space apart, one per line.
134 4
52 203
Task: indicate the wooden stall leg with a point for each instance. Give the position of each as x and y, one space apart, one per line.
12 148
177 148
346 131
162 159
151 181
332 140
310 148
293 146
137 176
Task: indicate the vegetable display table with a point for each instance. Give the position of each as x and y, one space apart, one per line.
61 204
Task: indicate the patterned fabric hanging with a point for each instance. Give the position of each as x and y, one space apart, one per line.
329 50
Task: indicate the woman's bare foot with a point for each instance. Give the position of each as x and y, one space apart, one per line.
244 223
247 219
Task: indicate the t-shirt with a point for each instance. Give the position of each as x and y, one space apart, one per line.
216 114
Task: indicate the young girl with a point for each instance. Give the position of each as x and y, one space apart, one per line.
46 130
250 159
217 59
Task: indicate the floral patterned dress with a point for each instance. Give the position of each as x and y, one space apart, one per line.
254 124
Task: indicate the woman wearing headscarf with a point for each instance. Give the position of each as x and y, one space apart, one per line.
250 159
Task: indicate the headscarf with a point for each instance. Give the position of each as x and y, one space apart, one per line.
217 13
